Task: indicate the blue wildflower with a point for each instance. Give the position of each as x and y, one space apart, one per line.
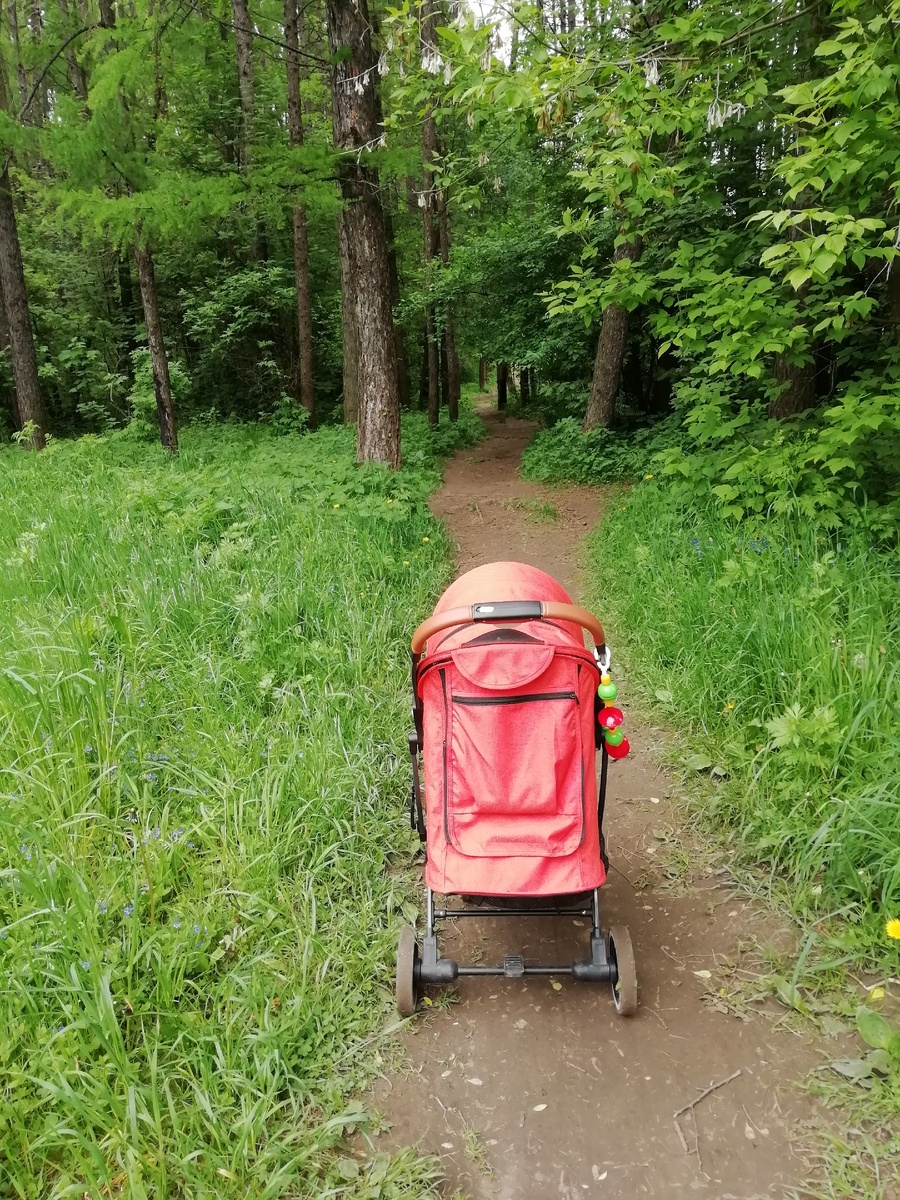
128 910
101 904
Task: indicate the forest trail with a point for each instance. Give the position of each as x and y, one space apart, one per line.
527 1092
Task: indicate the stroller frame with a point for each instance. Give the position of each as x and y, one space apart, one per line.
611 958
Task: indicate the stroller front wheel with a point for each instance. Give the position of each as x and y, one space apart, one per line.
624 983
407 972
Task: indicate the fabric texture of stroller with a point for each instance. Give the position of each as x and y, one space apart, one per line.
509 747
506 732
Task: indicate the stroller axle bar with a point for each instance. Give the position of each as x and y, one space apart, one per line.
449 913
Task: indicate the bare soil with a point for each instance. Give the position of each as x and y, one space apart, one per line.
530 1090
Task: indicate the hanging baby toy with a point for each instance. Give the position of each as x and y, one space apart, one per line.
611 718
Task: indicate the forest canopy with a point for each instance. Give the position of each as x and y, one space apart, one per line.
295 214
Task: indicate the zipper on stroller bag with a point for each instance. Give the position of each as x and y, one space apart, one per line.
492 700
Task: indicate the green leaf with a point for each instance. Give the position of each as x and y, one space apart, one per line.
697 762
856 1069
873 1028
798 277
829 47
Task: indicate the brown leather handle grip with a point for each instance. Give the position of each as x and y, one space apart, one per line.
549 610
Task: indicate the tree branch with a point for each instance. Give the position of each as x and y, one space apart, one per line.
53 57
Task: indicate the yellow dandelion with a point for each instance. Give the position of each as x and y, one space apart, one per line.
876 993
648 476
335 506
892 928
389 502
730 704
429 539
406 562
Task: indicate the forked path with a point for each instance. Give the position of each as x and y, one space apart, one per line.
528 1090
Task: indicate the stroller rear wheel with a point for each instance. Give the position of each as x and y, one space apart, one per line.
407 972
625 986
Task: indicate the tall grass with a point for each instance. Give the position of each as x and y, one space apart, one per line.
777 651
203 706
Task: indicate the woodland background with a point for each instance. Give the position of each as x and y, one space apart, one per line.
670 233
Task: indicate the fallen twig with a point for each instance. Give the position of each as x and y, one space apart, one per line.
680 1133
712 1088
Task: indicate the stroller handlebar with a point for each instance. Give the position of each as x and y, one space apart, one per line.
508 610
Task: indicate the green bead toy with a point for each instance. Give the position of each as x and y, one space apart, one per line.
607 690
614 737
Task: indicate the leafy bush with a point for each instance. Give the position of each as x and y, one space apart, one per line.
834 467
563 454
775 650
203 709
144 423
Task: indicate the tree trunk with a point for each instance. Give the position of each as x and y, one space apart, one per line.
38 110
893 287
403 383
424 372
453 387
243 35
798 391
165 410
355 125
21 74
5 351
482 374
432 350
502 381
429 149
610 352
524 388
21 342
77 76
348 325
293 27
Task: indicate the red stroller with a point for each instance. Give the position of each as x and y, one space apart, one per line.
507 724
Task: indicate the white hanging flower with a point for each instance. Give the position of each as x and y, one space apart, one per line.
486 59
717 114
383 65
382 141
401 70
498 183
652 72
448 74
483 159
421 199
470 120
358 85
390 43
432 62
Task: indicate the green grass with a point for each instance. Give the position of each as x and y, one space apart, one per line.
777 654
772 651
203 708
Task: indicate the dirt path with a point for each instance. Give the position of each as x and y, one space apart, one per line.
528 1092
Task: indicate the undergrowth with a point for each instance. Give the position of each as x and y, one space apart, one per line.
775 652
771 646
563 454
203 703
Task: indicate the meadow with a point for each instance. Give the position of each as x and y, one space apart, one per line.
203 715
